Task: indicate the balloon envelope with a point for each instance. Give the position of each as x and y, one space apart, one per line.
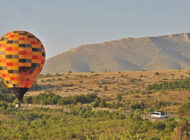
22 57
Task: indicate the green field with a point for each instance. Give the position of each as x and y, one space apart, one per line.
81 122
123 115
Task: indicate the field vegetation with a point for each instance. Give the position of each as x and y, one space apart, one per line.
102 106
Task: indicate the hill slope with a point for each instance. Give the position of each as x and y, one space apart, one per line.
150 53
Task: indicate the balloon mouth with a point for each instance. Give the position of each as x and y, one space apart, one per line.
19 92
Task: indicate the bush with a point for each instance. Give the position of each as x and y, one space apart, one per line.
159 125
105 88
119 97
3 88
35 87
7 97
138 106
5 107
184 110
157 73
67 85
115 105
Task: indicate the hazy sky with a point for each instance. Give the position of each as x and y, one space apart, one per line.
65 24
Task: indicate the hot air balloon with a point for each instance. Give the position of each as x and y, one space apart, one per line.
22 57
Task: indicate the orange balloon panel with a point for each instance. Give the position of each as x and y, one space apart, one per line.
22 57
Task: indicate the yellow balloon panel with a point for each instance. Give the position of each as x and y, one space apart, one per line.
22 57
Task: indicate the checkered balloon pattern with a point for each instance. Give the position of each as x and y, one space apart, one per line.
22 57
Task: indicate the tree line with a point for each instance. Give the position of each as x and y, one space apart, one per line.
170 85
50 98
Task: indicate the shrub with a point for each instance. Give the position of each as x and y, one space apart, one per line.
157 73
35 87
119 97
105 88
67 85
184 110
159 125
138 106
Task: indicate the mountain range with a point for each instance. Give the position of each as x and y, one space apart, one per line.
128 54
